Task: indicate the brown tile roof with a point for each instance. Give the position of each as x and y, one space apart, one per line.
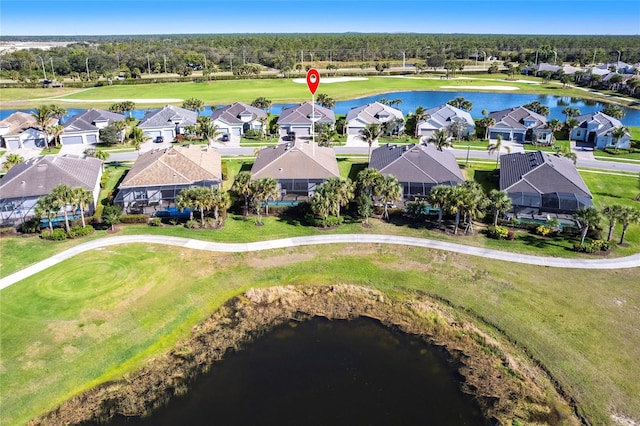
20 121
295 161
174 166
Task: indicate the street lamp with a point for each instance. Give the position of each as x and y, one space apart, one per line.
42 62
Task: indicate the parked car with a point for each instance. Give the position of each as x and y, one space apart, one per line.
225 137
159 139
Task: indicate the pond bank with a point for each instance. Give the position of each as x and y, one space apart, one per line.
506 385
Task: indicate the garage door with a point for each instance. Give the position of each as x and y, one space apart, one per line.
71 140
32 143
92 139
168 135
301 131
354 130
153 133
235 131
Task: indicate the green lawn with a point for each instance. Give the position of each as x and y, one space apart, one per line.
101 314
278 90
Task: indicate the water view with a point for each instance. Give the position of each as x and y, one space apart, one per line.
428 99
324 372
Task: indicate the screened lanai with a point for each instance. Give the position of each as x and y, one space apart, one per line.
148 199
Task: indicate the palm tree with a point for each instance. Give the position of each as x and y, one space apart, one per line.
137 138
193 104
461 103
611 213
99 154
55 131
202 201
496 147
322 203
12 160
64 194
220 201
570 112
438 197
440 139
500 202
554 125
367 181
185 200
209 130
389 191
617 134
242 186
627 216
48 206
487 122
571 124
325 100
419 115
455 204
43 116
269 190
121 126
342 189
588 217
81 198
566 152
475 202
370 134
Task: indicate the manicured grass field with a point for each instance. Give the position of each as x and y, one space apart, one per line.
278 90
97 316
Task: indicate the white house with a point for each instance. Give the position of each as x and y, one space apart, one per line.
84 128
597 129
299 119
20 130
373 113
236 119
443 117
519 125
167 122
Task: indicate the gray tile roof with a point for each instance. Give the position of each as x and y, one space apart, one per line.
301 115
232 113
604 122
174 166
417 163
541 173
166 116
86 120
20 121
38 176
514 118
374 113
444 115
295 161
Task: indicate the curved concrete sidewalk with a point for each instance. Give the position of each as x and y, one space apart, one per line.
614 263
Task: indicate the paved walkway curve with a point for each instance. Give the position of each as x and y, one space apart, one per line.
632 261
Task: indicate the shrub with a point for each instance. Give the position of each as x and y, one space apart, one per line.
543 230
155 221
192 224
253 134
30 226
134 218
9 230
511 235
314 220
58 234
499 232
80 231
592 247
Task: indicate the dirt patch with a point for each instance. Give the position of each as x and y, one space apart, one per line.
506 385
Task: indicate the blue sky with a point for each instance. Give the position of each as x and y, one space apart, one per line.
98 17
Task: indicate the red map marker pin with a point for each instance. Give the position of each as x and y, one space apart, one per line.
313 80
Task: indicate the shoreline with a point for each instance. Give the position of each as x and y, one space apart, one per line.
506 383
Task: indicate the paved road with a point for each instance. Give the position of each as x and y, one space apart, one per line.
614 263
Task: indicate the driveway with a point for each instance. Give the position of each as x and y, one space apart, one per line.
554 262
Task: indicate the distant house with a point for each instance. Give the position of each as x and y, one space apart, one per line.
443 117
374 113
84 128
159 175
597 128
20 130
236 119
25 183
417 167
538 183
168 122
298 119
298 167
519 125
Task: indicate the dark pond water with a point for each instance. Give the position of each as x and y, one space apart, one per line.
323 372
428 99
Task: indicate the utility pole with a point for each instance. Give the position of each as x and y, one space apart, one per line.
86 63
148 65
53 73
164 57
231 61
404 59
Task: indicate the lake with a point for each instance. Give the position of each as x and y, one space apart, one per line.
427 99
326 372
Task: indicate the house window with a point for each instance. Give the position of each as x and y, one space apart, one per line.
139 195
